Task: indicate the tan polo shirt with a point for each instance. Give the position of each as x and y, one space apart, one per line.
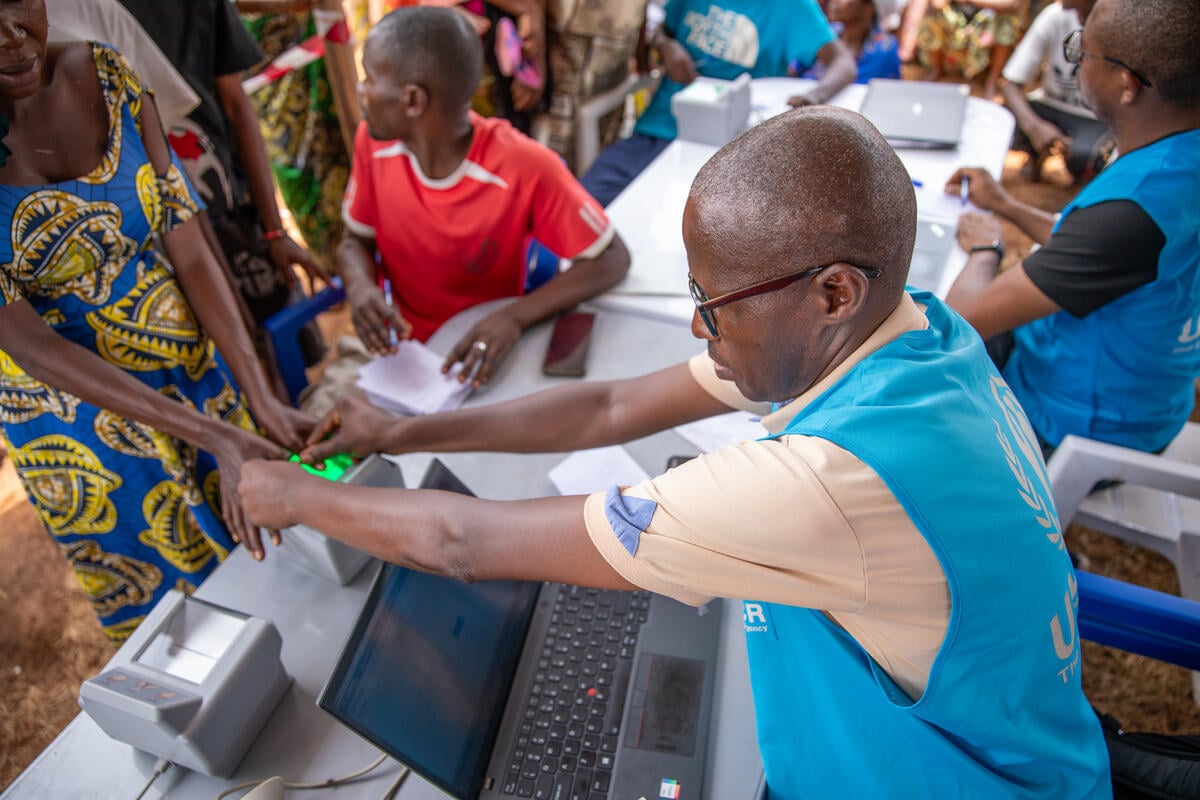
796 520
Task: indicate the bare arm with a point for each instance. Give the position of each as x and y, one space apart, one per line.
995 303
1042 133
574 417
202 279
252 154
439 532
501 330
840 72
985 193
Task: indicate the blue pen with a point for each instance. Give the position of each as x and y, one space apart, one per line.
963 190
387 298
917 183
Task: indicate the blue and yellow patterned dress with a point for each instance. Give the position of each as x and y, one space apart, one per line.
135 511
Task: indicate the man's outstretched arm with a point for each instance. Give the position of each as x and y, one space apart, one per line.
575 417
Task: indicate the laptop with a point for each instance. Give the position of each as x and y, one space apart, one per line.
505 689
916 113
931 254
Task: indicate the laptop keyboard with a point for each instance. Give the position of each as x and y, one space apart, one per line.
571 723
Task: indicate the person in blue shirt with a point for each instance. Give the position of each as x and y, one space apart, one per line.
909 602
700 38
1097 330
858 25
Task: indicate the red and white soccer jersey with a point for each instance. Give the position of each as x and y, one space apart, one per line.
458 241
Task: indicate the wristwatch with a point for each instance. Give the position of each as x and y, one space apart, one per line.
996 246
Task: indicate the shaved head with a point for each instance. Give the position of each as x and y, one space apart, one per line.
433 47
1158 38
813 186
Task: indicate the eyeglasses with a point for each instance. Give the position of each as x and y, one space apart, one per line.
1073 52
705 305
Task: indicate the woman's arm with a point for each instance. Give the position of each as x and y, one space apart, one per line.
212 300
66 366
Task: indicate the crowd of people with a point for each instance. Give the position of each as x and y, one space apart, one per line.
913 591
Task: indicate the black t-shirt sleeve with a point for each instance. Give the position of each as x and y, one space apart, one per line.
1097 255
234 49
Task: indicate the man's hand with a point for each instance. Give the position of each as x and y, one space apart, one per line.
286 426
677 63
801 100
353 426
285 252
982 188
978 229
485 345
1046 138
265 488
232 448
375 320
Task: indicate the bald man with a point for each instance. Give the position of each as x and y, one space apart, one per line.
893 535
1097 331
449 200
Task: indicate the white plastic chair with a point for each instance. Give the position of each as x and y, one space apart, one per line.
1155 507
589 112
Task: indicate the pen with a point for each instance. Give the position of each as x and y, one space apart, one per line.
387 298
963 190
917 183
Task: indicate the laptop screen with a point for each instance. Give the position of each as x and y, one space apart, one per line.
427 670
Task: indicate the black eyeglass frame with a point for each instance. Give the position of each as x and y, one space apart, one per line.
1073 52
705 304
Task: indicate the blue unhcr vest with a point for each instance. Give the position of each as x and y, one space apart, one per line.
1124 373
1003 714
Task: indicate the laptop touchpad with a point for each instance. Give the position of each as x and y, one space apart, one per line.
665 708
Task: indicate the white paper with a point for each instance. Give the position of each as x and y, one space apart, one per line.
590 471
713 433
410 381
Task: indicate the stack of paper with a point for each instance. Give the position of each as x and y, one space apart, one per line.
410 381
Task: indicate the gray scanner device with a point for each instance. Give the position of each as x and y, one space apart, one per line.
328 558
194 684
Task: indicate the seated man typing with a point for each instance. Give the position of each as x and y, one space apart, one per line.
914 604
1103 317
449 200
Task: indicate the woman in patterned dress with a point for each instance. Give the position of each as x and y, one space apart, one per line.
121 418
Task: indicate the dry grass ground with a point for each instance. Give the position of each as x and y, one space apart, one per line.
50 641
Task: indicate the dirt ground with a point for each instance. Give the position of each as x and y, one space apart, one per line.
50 641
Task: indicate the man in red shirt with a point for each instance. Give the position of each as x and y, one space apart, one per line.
449 201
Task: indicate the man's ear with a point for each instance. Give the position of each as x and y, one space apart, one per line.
1131 88
415 100
843 292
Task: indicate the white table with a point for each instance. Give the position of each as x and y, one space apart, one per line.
302 743
649 213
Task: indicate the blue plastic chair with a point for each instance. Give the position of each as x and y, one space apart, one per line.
1114 612
283 331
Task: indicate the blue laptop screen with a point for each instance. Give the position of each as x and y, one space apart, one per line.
427 671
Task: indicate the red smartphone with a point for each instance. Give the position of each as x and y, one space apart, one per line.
567 354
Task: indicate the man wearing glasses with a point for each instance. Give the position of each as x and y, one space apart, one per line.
1097 331
909 602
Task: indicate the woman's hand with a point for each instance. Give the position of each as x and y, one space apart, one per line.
232 447
484 347
285 252
286 426
354 426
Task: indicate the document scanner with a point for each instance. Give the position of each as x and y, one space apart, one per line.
329 558
711 111
194 684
